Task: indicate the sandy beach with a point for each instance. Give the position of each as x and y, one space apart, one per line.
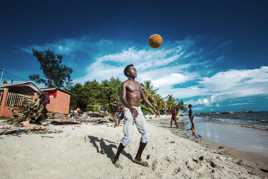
86 150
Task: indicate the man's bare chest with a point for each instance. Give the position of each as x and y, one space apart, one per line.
132 87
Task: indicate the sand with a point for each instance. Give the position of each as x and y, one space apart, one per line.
86 150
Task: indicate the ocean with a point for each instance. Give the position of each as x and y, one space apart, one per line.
257 120
244 131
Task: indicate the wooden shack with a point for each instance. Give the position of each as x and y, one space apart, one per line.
12 96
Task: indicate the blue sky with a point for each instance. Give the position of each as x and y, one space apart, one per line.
214 53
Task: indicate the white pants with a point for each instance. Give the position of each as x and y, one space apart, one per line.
129 122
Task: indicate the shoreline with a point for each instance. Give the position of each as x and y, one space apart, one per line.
255 163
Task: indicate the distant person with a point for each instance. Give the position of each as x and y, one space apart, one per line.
174 116
191 117
75 114
131 96
78 111
119 115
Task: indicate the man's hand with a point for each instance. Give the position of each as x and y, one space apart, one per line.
134 112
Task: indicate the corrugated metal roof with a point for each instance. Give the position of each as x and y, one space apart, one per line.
25 87
31 85
51 89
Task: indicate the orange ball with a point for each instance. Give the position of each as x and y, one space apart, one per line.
155 40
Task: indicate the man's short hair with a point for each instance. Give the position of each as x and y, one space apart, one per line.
127 68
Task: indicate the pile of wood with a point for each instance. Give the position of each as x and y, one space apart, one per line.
33 111
25 127
20 130
97 114
63 122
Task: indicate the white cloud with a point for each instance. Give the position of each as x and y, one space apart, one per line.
233 84
239 104
143 59
151 64
64 46
235 78
76 48
183 92
170 79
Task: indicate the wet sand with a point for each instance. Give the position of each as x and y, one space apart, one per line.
246 144
240 138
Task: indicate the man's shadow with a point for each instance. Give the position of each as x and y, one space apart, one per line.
106 147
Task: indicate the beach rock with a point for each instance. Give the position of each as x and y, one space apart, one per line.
220 152
220 158
195 160
172 142
176 171
212 164
220 147
148 157
168 159
251 172
239 162
43 136
201 158
189 165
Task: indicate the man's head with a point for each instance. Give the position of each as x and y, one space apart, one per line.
130 71
189 106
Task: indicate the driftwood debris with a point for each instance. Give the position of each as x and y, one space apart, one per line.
21 130
97 114
63 122
18 131
25 127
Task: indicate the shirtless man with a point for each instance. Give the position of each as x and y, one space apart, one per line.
131 96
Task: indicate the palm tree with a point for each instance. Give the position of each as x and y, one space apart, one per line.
170 102
156 100
181 105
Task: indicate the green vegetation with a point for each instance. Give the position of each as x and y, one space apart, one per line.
105 95
93 95
55 73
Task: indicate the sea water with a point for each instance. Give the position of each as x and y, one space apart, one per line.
243 131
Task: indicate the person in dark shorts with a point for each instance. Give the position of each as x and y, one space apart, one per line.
191 117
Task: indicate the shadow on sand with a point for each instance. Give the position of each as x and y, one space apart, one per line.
106 147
